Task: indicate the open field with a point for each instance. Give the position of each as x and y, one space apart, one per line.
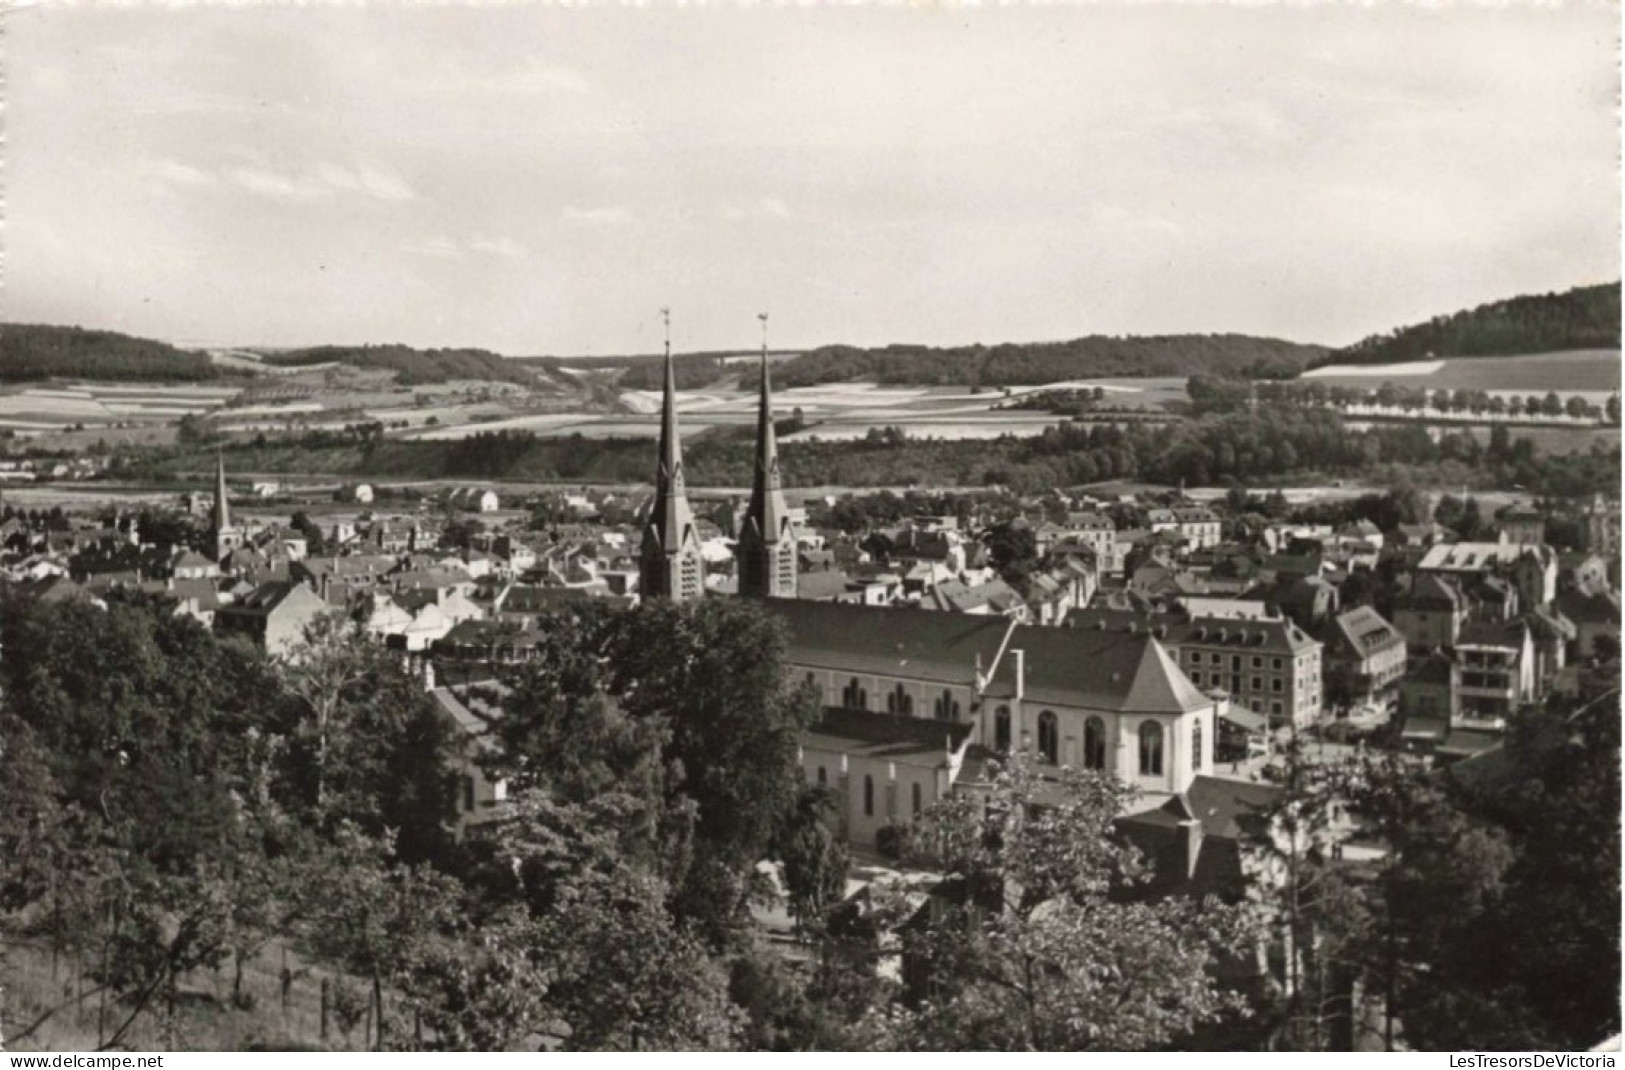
61 405
1591 373
833 411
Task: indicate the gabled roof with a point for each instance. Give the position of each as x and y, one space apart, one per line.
1223 806
1089 521
1362 630
1066 666
267 597
1600 608
1429 590
473 724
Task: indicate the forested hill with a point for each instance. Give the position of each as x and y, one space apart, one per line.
1024 364
413 367
1586 317
691 370
30 351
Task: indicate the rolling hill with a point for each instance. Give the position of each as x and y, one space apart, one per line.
1587 317
413 367
33 351
1027 364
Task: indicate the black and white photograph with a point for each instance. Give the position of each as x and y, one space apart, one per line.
597 526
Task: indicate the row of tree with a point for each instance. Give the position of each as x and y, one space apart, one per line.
1219 394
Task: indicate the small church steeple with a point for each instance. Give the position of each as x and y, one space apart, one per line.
222 509
767 540
670 565
223 537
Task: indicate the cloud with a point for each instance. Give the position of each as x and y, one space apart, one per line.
321 182
445 248
609 216
506 248
441 248
175 173
1116 217
277 187
760 208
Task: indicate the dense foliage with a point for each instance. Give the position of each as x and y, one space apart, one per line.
36 351
1586 317
413 367
1037 942
1490 922
692 371
1022 364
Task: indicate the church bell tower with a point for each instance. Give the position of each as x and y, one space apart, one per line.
767 539
669 564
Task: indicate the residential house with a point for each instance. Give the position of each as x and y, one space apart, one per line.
1429 699
1197 525
1431 614
1518 525
273 615
474 499
1595 616
470 709
1531 567
1363 659
995 598
1497 673
1266 664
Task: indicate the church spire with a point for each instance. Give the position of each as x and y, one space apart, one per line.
223 538
671 564
766 541
222 510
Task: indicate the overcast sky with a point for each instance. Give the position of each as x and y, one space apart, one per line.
542 179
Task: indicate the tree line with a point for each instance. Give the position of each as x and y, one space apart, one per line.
1586 317
1272 443
1030 363
413 367
1219 394
30 351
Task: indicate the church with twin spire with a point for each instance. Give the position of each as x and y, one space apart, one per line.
671 566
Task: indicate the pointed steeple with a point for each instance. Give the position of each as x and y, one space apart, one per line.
767 494
766 541
223 537
671 564
222 510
